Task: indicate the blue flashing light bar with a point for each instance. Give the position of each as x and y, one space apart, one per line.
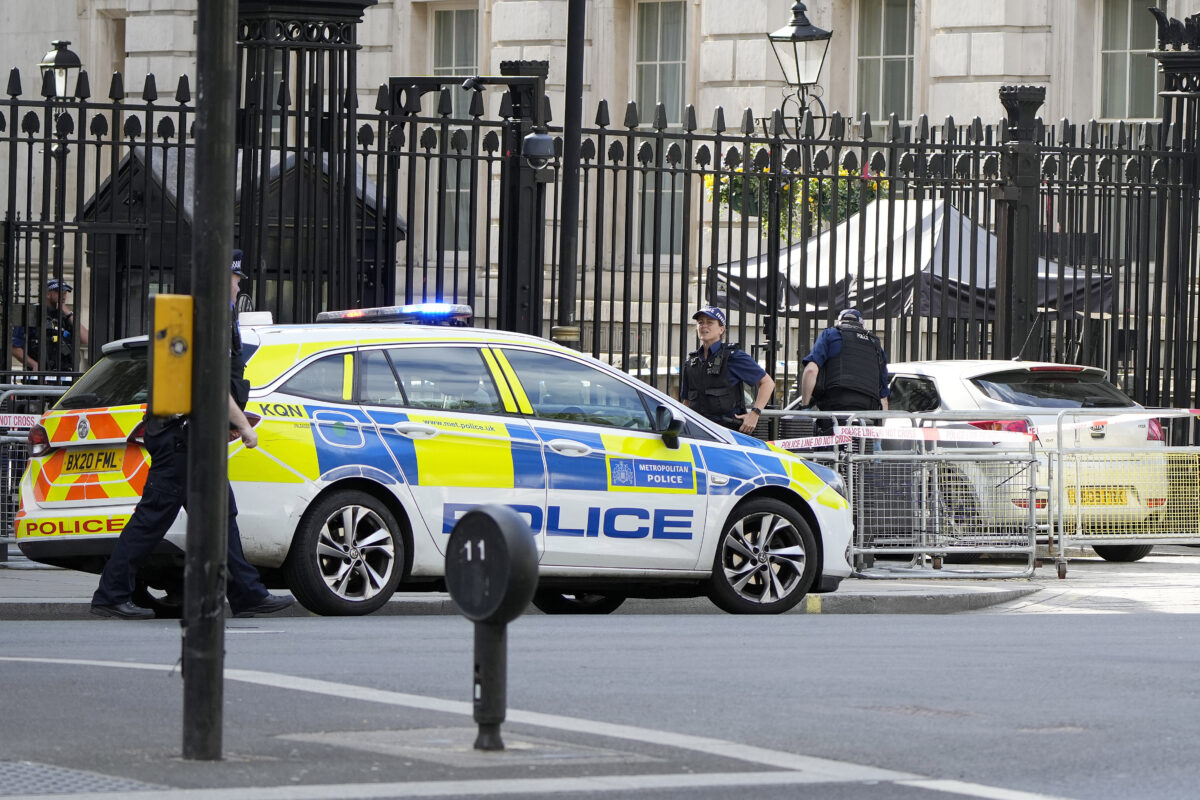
452 314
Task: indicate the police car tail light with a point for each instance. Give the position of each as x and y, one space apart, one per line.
1154 431
138 434
39 441
1011 425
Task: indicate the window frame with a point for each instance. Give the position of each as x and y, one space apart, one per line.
617 377
1131 7
671 251
287 378
910 60
457 199
389 347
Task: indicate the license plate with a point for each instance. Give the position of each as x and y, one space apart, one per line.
108 459
1098 496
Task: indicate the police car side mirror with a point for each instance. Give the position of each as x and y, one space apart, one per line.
669 425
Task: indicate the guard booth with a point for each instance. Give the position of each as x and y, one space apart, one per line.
138 228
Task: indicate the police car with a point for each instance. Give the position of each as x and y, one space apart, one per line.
374 439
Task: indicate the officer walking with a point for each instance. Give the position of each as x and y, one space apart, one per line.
165 493
847 368
58 322
713 376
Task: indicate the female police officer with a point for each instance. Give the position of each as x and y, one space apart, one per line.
713 376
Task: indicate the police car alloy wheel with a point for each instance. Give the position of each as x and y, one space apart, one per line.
347 556
549 601
765 561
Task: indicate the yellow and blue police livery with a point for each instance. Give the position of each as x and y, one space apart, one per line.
376 437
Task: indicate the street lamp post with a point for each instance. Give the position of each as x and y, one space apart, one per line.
800 48
60 70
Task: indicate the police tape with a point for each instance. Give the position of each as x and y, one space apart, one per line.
845 434
812 441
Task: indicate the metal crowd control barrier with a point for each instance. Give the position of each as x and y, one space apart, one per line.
932 489
20 407
1118 485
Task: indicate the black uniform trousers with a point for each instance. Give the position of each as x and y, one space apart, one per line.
164 494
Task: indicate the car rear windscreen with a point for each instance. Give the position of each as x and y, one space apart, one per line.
1051 389
118 379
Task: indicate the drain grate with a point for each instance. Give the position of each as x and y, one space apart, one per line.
29 777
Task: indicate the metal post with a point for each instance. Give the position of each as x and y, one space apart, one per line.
568 252
491 683
1019 231
774 253
523 202
204 570
1178 202
59 151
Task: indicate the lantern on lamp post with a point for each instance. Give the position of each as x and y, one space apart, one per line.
800 48
60 65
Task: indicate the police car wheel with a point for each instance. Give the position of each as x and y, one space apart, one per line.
765 561
347 555
549 601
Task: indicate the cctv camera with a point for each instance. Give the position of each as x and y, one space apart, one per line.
473 84
538 148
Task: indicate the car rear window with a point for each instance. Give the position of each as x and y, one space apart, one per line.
1052 389
118 379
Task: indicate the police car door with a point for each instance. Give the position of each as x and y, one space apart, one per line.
617 495
454 432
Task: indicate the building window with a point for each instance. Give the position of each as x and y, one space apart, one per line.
659 67
455 54
885 58
1129 78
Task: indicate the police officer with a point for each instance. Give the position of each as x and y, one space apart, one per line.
58 322
165 493
846 370
713 376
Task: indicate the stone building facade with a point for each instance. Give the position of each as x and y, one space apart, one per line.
939 57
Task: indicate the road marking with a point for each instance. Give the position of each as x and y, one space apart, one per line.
798 768
975 790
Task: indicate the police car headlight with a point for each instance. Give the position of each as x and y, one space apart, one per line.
831 477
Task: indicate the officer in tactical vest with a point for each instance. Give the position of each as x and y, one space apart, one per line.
57 328
713 376
846 370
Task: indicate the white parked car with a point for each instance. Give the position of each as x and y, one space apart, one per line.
1115 486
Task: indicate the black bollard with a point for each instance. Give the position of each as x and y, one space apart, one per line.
491 574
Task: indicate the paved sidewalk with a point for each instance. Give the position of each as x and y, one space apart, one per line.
1167 580
34 591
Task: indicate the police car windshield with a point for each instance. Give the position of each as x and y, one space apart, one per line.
118 379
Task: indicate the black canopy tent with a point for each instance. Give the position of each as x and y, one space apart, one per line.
942 264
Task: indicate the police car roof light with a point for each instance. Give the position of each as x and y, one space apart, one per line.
455 314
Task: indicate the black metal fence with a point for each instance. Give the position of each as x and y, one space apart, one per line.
1060 241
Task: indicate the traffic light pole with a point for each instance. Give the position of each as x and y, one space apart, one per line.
208 425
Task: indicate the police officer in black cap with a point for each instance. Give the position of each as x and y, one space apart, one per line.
165 493
58 323
712 377
847 368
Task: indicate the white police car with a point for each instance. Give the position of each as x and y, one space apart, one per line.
375 438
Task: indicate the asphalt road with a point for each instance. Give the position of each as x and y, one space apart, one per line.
883 706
